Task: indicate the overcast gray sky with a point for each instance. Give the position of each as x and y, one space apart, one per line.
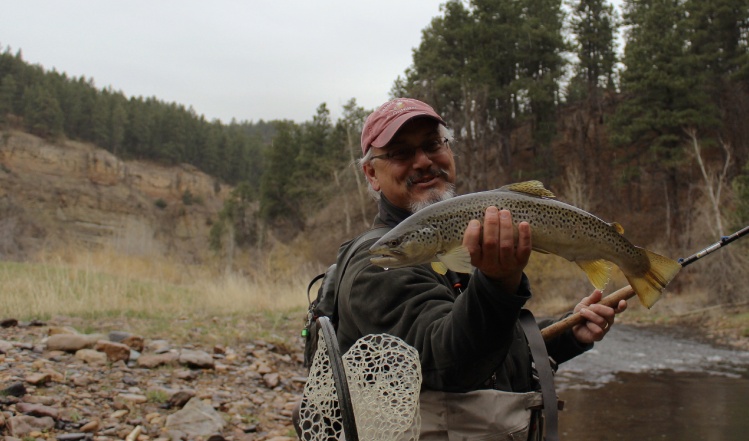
249 60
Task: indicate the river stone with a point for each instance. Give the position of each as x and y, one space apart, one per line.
73 436
186 374
151 361
119 414
71 342
14 390
118 336
56 330
196 359
38 410
195 419
272 380
5 346
134 342
22 425
91 357
38 378
91 426
134 398
115 351
39 399
82 380
180 398
158 346
8 323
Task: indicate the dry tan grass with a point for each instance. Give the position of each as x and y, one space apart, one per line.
261 295
103 283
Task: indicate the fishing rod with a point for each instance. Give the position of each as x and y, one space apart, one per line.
613 299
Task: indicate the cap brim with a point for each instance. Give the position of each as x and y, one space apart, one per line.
384 138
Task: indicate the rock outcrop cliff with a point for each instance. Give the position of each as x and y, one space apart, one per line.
69 193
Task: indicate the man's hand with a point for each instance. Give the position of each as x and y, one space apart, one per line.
598 318
496 253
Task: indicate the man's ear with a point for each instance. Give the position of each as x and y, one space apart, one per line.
371 175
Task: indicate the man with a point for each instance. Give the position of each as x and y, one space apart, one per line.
465 328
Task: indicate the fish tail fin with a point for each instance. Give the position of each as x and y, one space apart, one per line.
598 271
649 286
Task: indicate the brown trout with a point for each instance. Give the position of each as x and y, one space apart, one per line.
435 234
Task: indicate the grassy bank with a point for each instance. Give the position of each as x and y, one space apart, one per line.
158 298
155 297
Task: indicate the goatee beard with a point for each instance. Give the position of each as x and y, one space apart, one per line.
433 197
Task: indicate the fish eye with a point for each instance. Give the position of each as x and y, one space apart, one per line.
393 243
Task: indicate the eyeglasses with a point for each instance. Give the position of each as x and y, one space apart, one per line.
403 153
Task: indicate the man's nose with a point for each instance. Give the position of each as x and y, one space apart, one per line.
421 159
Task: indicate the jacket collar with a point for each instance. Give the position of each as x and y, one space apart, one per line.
390 215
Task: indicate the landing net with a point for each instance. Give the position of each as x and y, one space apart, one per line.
384 378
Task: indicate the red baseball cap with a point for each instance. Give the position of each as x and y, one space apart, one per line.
382 124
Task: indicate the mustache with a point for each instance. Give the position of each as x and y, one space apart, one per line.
432 172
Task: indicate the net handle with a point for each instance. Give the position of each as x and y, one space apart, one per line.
339 378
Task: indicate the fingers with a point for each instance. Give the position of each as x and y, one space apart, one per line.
506 238
595 297
598 318
495 249
490 241
524 241
471 240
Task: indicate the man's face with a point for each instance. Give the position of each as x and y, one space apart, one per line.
419 180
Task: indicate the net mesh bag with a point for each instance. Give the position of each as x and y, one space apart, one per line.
384 378
320 416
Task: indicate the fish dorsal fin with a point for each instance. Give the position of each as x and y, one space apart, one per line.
618 227
439 268
458 259
533 188
598 271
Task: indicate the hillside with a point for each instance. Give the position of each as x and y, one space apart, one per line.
70 194
67 195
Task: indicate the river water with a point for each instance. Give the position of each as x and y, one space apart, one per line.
655 384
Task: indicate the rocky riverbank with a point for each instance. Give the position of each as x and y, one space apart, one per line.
59 383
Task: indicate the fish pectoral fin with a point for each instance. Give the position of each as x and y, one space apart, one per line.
439 268
532 188
458 259
598 271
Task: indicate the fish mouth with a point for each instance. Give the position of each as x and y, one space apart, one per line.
386 252
386 261
386 257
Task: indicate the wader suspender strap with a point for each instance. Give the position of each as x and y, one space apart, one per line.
374 233
545 375
334 354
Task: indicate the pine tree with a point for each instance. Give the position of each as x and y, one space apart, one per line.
117 123
540 51
316 160
42 113
593 24
7 96
277 202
